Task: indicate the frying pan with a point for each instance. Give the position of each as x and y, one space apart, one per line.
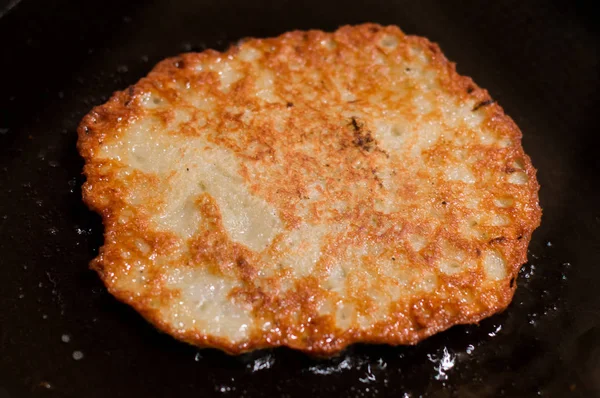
63 335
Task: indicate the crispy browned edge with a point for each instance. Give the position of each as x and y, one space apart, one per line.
105 118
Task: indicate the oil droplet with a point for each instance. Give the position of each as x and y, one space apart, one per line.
46 385
197 357
65 338
528 272
369 377
226 388
346 364
495 332
262 363
77 355
443 364
81 231
532 318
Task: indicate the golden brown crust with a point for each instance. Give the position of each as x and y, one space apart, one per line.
354 156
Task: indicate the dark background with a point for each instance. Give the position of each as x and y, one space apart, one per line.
539 59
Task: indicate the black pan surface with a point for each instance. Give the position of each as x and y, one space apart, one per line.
63 335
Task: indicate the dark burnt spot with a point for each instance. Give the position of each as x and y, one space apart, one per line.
407 69
289 104
444 202
87 130
179 64
482 104
241 262
478 252
512 282
499 239
373 29
519 237
393 258
376 177
363 139
470 89
303 196
354 124
509 169
387 155
130 93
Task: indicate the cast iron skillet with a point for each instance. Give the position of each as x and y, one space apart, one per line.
59 58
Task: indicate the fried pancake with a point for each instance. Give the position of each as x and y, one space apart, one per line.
312 191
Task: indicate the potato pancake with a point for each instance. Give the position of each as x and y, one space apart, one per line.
312 191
